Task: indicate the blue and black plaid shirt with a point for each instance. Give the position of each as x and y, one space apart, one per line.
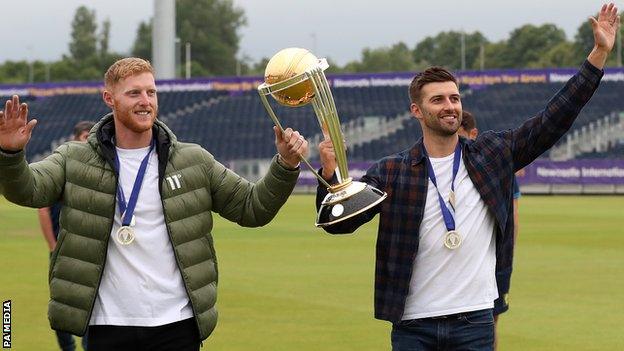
491 161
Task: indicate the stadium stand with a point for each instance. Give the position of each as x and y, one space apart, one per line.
376 120
239 127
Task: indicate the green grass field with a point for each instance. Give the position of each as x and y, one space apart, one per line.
290 286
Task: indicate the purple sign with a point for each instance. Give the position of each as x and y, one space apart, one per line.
235 85
542 171
580 172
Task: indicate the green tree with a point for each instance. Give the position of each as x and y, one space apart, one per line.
89 54
494 55
211 26
142 46
445 50
425 52
525 46
398 57
14 72
83 43
584 43
374 60
104 38
63 70
257 68
561 55
333 67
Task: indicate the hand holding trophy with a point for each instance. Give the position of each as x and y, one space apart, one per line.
295 77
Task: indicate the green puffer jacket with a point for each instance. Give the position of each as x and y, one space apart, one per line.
82 176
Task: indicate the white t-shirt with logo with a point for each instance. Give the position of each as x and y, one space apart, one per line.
141 284
446 281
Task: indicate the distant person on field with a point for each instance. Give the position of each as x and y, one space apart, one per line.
135 260
469 130
445 235
49 221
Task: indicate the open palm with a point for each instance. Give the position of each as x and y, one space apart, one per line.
15 129
605 27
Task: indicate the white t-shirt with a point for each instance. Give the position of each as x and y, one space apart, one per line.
141 284
446 281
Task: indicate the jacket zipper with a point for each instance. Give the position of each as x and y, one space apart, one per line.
97 288
195 315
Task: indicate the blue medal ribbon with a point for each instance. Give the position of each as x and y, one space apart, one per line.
447 214
127 209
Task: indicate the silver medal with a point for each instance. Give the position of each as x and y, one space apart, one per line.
125 235
452 239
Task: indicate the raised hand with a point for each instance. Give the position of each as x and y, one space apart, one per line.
328 157
15 129
605 27
291 146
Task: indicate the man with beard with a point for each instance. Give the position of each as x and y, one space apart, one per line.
446 228
135 260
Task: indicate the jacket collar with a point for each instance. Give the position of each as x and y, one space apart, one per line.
101 138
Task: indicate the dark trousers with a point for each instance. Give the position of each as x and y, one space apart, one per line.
178 336
66 341
472 331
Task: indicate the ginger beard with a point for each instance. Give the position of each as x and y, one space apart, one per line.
136 118
134 102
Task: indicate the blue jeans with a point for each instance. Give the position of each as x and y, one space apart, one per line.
470 331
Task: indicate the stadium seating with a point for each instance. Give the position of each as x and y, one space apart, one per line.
240 128
236 126
615 151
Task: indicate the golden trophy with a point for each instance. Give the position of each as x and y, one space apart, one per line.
295 77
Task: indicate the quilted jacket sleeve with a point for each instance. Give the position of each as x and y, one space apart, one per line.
37 185
246 203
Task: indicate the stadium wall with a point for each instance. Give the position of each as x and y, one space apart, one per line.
543 176
473 79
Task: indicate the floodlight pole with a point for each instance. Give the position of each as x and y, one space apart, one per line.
31 68
163 39
482 56
188 60
463 50
31 72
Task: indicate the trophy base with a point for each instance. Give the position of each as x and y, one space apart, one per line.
348 201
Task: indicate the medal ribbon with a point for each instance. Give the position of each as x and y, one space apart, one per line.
447 214
127 209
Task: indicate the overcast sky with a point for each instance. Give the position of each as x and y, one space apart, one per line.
340 29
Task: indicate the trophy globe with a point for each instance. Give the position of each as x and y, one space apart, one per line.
295 77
